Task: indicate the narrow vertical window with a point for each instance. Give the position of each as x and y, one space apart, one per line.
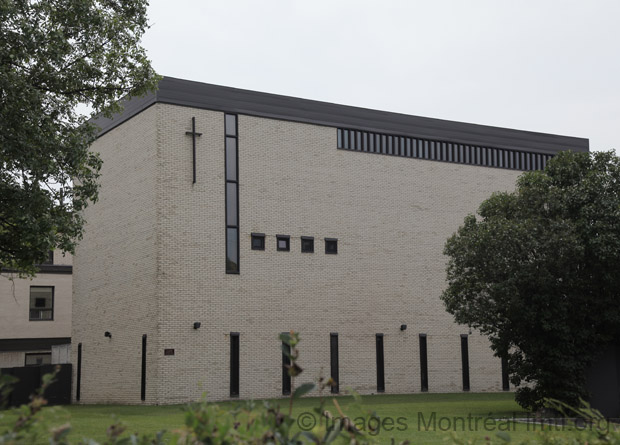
465 361
232 193
408 152
345 139
505 376
234 364
380 364
340 138
423 364
143 376
383 144
286 362
78 384
333 353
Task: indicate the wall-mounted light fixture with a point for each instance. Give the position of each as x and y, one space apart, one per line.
107 334
196 324
403 327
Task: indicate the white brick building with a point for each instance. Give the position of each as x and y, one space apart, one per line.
35 315
177 240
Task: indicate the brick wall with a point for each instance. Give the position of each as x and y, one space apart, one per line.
153 261
115 268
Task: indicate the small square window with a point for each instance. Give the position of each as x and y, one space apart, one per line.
258 241
331 246
284 242
307 244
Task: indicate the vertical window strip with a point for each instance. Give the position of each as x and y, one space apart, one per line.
234 364
380 364
335 373
231 167
78 385
286 362
465 360
423 364
143 376
505 376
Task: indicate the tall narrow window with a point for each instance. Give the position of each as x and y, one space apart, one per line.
143 377
465 361
505 376
234 364
78 385
423 364
286 362
333 352
232 193
380 364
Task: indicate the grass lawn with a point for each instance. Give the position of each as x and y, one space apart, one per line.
402 416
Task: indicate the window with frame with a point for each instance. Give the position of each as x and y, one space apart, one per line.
41 303
38 359
331 246
307 244
258 241
283 243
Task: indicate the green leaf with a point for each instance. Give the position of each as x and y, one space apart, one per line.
303 389
504 436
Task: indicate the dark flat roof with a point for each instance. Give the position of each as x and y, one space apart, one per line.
233 100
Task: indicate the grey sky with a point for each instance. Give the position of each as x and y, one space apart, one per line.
548 66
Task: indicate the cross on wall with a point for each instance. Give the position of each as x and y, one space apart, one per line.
194 134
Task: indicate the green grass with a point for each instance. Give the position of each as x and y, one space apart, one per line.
406 412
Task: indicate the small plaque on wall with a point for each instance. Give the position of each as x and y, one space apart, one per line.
168 351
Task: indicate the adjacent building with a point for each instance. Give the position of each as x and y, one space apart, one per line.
35 315
227 216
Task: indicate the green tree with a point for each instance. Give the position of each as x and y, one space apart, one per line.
56 55
538 272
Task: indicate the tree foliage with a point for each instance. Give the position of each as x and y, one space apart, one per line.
54 56
538 272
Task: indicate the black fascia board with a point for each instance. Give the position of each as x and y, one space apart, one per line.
65 269
31 344
199 95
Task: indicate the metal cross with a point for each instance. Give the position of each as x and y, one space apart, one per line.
194 134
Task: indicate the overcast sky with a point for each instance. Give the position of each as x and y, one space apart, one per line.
548 66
